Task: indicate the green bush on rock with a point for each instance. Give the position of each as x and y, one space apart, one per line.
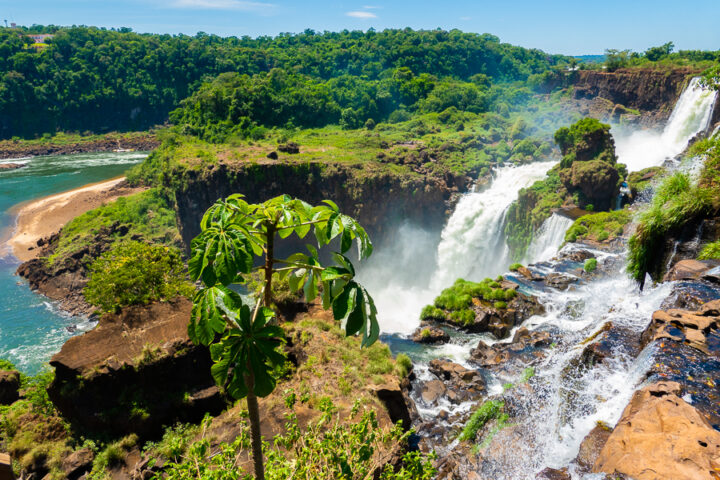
135 273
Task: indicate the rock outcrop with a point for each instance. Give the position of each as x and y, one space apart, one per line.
525 347
430 335
9 386
135 372
661 437
457 383
106 143
374 196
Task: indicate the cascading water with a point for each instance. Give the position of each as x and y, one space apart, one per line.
404 278
691 115
564 403
473 241
548 238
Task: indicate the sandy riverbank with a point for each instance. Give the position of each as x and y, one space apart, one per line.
43 217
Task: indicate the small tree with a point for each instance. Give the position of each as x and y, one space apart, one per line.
243 343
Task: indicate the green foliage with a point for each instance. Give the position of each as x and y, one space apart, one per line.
599 226
590 265
325 449
135 273
515 267
6 365
431 312
499 305
615 59
656 53
586 139
404 364
527 374
676 203
147 216
711 251
489 410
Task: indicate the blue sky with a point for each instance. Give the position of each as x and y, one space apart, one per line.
557 26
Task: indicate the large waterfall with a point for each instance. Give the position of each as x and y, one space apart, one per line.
473 242
691 115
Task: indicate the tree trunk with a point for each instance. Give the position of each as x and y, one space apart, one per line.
269 261
255 434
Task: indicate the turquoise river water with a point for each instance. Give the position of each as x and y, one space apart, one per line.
31 328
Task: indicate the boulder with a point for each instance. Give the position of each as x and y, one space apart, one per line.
11 166
524 346
398 406
559 281
591 446
689 270
77 463
432 391
461 384
135 372
289 147
9 387
272 155
553 474
430 335
661 437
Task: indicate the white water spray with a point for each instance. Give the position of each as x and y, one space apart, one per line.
548 238
691 115
473 242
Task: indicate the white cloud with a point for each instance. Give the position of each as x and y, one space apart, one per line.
371 7
361 14
224 5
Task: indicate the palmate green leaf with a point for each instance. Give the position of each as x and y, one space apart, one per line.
219 255
209 306
356 308
251 348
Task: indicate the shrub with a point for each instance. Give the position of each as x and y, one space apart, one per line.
489 410
430 312
404 364
515 267
500 305
135 273
590 265
711 251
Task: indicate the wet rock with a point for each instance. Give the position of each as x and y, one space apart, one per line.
690 270
135 372
11 166
461 384
553 474
430 335
525 272
432 391
608 342
689 327
591 446
524 347
660 436
77 463
9 387
690 295
559 281
578 256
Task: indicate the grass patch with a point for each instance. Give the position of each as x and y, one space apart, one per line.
489 410
601 226
590 265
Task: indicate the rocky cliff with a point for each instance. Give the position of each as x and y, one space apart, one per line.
374 196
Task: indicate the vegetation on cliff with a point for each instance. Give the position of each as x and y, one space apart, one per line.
678 202
588 176
135 273
599 227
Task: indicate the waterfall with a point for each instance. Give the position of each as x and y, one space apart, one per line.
473 243
403 278
548 238
691 115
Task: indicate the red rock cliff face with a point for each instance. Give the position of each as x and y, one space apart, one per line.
644 90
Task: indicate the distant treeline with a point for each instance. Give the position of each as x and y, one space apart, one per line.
91 79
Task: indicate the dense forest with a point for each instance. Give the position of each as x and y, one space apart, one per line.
102 80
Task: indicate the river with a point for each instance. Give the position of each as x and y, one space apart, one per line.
31 328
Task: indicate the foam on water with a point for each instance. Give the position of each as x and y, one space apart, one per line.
548 238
